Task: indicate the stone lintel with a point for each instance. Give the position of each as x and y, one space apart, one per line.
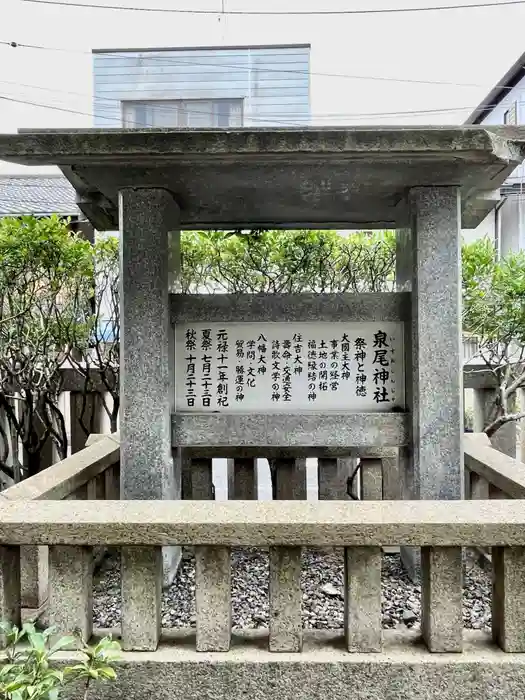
289 430
253 308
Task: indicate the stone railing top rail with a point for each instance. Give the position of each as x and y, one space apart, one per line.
65 477
277 523
504 472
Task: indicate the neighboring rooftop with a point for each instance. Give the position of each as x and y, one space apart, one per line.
38 195
287 177
511 78
242 47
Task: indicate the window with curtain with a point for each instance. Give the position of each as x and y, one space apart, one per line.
182 114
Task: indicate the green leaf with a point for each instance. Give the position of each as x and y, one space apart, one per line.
61 644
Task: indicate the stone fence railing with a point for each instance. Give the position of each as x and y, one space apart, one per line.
489 474
92 473
141 528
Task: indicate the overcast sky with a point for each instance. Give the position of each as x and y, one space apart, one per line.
470 49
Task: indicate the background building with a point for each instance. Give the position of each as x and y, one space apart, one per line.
202 87
505 104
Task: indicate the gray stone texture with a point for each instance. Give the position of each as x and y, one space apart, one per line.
348 465
266 523
96 488
141 577
242 479
297 176
332 474
363 599
70 605
441 598
371 479
508 598
392 475
436 354
229 308
33 575
213 598
62 479
10 603
286 629
112 483
201 479
479 487
429 265
283 430
290 479
148 471
185 468
406 671
489 465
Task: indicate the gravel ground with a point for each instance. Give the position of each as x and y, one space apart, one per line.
322 584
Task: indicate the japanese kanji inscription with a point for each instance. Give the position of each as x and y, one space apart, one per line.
257 367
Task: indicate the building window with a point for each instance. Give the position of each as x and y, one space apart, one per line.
511 115
182 114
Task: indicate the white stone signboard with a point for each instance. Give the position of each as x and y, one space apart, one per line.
289 367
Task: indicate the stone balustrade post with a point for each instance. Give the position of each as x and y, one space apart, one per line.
70 607
286 628
290 479
10 599
242 479
332 475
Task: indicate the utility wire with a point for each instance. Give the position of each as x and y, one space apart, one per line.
217 66
259 13
289 122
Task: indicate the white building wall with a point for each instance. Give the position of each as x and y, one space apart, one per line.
273 82
512 211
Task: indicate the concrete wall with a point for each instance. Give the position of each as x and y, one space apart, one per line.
273 83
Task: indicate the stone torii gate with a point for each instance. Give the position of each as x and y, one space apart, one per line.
427 183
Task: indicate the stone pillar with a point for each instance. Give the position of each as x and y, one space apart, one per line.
504 439
148 218
432 270
429 266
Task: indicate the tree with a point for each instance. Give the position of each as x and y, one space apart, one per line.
287 262
46 276
96 355
494 311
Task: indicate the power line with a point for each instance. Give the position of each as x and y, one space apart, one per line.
111 118
259 13
217 66
343 115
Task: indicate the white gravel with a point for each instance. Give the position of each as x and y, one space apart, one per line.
322 584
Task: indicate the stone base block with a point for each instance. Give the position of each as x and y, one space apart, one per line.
404 671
